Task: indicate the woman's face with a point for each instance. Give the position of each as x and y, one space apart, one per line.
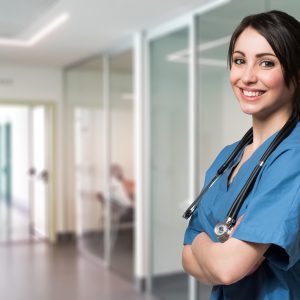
257 79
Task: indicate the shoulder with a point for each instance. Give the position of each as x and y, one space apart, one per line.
282 169
288 151
293 140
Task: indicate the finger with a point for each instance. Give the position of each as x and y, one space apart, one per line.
236 225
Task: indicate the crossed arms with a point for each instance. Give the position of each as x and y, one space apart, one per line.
221 263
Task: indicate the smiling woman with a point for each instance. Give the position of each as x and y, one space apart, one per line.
255 253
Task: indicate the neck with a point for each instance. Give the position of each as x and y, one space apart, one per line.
263 128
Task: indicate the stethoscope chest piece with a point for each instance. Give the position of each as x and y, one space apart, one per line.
222 231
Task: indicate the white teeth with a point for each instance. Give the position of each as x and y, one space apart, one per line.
252 93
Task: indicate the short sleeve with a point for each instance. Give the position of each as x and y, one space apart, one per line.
195 225
272 212
193 229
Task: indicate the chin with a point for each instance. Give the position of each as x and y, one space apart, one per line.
249 110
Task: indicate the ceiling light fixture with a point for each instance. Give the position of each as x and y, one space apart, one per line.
183 56
38 36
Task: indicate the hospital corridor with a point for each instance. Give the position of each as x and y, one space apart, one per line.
39 271
110 113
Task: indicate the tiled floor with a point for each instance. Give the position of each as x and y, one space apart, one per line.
42 272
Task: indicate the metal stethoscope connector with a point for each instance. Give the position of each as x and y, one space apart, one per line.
223 230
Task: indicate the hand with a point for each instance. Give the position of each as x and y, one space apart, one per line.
236 225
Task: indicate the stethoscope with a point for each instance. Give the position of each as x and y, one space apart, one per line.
223 229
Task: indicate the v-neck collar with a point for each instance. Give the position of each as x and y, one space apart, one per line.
247 167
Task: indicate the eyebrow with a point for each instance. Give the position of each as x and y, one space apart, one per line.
257 55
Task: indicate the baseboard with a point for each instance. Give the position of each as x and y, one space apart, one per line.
66 237
140 284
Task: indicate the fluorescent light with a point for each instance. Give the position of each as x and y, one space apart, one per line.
182 56
38 36
202 61
214 44
13 42
48 29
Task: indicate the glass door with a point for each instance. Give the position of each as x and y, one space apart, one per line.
24 172
84 96
169 140
121 184
40 169
89 188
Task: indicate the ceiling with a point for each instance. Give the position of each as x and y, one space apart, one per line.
93 27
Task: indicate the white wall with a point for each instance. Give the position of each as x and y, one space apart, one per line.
38 84
22 82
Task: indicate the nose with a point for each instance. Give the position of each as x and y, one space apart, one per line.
249 75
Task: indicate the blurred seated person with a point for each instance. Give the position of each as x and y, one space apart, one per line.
121 194
121 189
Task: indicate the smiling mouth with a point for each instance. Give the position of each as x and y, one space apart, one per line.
252 93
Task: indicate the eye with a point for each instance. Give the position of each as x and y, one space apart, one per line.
238 61
267 64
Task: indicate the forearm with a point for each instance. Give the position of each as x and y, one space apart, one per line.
192 267
226 262
211 258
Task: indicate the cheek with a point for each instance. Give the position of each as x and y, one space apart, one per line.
273 80
234 75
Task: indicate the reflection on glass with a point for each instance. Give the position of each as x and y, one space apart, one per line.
88 179
169 163
121 169
85 105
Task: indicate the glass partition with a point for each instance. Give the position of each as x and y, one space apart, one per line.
122 186
86 142
291 7
169 162
219 112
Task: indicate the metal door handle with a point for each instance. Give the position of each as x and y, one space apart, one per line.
44 175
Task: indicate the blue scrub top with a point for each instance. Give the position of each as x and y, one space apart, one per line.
271 215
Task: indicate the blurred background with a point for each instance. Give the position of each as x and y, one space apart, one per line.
110 113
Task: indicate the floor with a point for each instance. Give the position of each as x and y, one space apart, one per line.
14 224
34 270
121 254
41 272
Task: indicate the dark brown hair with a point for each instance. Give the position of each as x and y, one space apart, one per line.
282 32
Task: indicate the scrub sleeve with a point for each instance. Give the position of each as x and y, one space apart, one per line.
273 213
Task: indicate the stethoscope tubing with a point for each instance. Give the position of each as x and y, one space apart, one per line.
282 134
247 138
